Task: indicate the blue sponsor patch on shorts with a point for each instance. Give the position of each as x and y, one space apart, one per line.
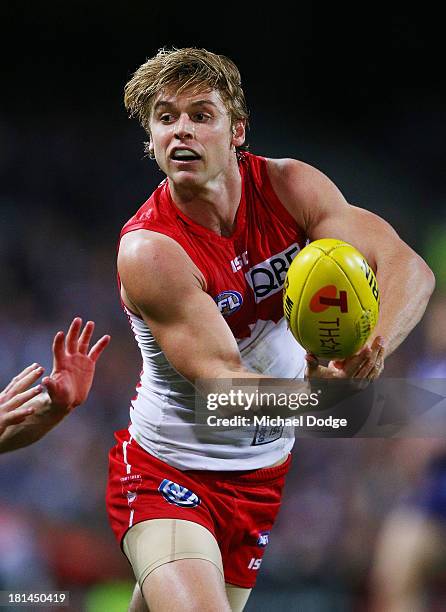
178 495
263 539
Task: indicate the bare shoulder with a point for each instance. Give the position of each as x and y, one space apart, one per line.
156 252
303 189
287 167
152 266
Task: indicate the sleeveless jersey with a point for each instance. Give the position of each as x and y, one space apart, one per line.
244 274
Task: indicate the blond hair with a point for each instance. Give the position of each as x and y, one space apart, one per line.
197 69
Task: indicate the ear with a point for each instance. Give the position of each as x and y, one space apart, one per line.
238 133
149 148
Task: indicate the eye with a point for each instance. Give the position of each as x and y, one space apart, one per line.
202 117
166 118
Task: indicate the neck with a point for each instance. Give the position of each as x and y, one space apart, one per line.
214 204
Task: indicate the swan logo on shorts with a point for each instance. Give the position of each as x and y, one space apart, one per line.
229 302
178 495
130 485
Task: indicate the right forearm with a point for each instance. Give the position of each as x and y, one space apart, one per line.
236 390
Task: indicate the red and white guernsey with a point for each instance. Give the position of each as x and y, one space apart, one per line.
244 275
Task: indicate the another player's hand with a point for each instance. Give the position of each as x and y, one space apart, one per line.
15 395
367 364
73 365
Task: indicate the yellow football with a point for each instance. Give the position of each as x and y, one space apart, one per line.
331 298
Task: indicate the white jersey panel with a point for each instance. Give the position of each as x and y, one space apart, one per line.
163 414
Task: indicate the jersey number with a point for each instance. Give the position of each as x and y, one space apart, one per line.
254 564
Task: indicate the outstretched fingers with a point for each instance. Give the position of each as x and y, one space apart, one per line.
73 335
25 372
97 349
58 349
21 398
15 417
23 380
85 337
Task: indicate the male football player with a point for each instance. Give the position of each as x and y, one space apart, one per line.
201 268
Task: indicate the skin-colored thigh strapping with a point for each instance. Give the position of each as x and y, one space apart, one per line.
151 544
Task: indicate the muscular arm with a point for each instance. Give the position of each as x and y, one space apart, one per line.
404 279
161 284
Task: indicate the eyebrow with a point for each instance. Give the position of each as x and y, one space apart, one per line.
168 104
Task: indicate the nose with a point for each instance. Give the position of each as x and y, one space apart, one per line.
184 127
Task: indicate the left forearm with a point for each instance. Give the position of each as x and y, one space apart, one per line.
406 285
35 426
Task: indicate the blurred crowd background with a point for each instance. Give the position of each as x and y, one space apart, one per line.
361 97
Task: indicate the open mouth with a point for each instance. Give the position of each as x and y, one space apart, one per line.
185 155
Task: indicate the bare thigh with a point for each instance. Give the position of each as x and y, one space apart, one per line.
237 597
186 585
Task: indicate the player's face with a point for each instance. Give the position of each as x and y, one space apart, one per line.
191 136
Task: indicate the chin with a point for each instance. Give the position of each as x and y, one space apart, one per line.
186 179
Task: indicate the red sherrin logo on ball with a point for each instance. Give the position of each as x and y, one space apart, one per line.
326 297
